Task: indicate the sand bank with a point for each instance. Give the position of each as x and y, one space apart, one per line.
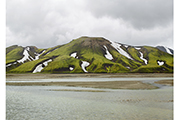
89 84
18 77
165 82
104 84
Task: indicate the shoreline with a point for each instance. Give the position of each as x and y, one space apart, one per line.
103 84
31 80
106 84
31 76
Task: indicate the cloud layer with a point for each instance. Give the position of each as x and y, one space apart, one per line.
52 22
141 14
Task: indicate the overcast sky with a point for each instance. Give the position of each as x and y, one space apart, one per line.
47 23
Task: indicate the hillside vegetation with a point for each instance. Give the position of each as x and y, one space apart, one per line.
88 54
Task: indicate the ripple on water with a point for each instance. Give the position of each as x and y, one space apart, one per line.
37 103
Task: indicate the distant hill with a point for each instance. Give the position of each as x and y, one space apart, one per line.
89 54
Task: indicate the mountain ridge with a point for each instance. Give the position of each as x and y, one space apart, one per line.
88 54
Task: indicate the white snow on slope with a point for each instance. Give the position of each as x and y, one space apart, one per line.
47 53
84 64
137 48
46 62
26 56
37 57
142 58
128 67
108 55
39 67
71 68
11 64
160 63
126 46
28 48
74 54
8 65
120 50
168 51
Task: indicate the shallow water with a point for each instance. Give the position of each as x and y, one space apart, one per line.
38 103
91 79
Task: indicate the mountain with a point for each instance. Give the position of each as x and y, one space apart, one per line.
88 54
165 49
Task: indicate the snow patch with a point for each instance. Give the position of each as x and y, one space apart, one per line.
120 50
46 62
37 57
38 69
11 64
74 54
108 55
48 53
71 68
160 63
40 66
84 64
168 51
126 46
128 67
137 48
26 56
8 65
142 58
28 48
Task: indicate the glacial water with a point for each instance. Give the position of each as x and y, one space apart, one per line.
42 103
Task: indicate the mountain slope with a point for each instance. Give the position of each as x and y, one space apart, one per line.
88 54
165 49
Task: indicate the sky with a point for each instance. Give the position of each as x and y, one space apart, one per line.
47 23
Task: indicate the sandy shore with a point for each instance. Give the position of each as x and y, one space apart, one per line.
101 84
106 84
165 82
13 77
74 90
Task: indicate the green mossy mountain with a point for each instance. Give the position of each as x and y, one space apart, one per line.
88 54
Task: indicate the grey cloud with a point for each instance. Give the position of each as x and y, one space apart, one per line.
52 22
141 14
39 22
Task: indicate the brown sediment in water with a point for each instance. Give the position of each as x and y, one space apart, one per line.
104 84
82 90
165 82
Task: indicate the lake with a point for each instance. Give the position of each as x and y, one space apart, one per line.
64 103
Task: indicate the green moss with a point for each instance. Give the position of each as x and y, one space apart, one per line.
8 49
14 54
28 66
135 54
92 51
154 54
61 65
153 69
39 50
118 58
